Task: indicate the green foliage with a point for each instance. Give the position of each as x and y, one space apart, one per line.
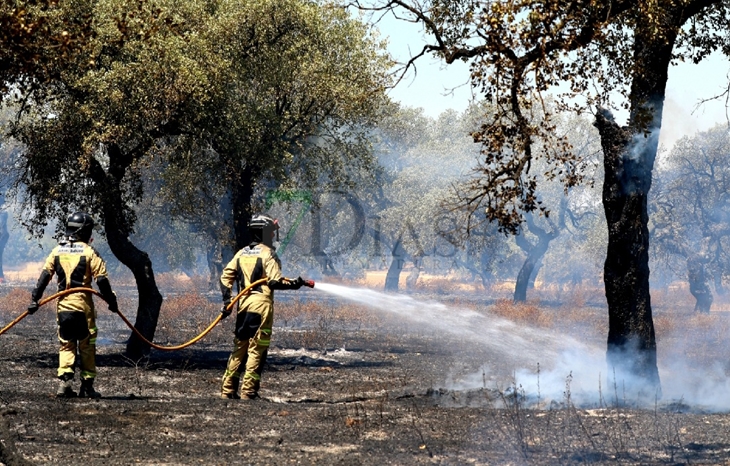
286 86
39 40
298 87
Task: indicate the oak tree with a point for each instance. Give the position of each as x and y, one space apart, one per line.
595 55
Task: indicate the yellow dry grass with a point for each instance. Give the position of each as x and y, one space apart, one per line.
701 339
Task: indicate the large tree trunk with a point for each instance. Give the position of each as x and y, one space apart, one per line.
241 189
226 236
117 231
149 297
629 155
698 284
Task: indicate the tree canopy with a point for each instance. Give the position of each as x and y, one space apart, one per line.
248 91
593 55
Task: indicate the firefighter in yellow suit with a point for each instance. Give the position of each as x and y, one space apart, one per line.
256 310
75 263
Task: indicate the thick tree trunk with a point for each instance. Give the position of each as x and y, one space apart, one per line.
226 236
526 272
396 266
631 352
117 229
698 284
4 237
629 155
241 189
149 297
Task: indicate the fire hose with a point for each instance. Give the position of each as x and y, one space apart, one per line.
132 327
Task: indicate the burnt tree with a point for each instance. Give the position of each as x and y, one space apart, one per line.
519 51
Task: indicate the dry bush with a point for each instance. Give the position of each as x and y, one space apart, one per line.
316 325
589 322
440 284
188 305
665 324
528 312
175 282
186 315
14 303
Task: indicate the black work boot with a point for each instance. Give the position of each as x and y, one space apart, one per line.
87 389
64 387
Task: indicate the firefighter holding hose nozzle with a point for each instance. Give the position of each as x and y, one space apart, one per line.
255 316
75 263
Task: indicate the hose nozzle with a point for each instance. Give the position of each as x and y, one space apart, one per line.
309 283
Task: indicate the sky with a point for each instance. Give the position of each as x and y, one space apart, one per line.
436 87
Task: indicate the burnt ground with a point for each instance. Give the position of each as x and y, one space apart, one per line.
363 395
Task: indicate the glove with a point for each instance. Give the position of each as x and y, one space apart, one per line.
113 306
225 312
297 283
32 307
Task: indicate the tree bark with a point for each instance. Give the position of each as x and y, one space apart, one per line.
241 189
149 297
117 229
629 155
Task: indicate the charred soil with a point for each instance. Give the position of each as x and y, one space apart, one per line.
333 392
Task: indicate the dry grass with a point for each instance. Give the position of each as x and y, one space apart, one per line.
315 325
526 313
13 303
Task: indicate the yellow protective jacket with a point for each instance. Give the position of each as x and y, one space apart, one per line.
250 264
74 264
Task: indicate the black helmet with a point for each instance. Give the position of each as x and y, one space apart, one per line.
262 228
79 226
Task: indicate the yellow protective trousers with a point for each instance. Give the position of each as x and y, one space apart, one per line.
250 347
77 332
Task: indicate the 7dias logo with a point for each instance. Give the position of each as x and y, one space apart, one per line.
341 215
314 203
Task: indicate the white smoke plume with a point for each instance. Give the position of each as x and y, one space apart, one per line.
565 363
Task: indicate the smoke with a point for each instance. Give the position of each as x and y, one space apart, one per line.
525 347
547 365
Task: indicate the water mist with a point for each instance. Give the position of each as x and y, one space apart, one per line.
559 356
562 359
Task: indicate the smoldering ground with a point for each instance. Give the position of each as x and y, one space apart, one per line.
391 380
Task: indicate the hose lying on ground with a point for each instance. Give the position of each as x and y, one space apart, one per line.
129 324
